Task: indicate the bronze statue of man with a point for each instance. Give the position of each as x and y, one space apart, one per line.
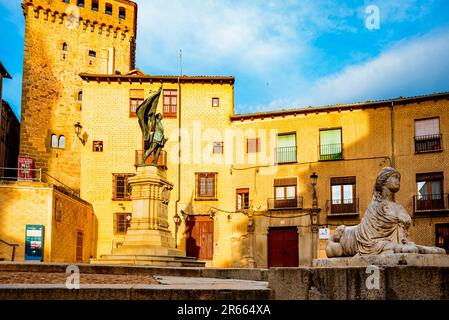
151 126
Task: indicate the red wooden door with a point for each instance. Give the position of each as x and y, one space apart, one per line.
283 247
200 237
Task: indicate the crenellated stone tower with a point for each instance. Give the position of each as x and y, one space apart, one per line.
64 38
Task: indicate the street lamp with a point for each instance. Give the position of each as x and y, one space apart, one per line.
314 215
177 220
78 130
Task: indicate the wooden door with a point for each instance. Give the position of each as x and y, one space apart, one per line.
283 247
79 246
200 237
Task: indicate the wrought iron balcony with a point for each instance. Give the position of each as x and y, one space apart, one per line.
162 161
330 152
341 208
285 203
429 143
286 155
431 203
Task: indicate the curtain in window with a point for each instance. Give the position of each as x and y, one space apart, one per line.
427 127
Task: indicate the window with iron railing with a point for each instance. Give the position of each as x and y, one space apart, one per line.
206 186
331 147
430 196
286 148
343 195
285 194
427 135
122 221
120 189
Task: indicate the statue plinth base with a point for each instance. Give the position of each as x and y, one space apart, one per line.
149 241
386 260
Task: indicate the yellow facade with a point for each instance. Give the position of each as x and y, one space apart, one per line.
60 41
58 67
63 216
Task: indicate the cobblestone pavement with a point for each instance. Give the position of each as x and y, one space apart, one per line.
60 278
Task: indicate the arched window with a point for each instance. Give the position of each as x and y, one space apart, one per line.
64 47
80 96
122 13
61 142
108 9
54 141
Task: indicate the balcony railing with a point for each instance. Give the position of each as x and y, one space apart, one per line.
161 162
345 207
22 174
285 203
285 155
429 143
330 151
431 203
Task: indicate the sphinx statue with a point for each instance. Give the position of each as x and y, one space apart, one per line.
384 227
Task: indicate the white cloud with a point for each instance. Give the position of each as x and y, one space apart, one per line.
252 37
416 66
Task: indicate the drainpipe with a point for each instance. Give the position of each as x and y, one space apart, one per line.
179 144
393 158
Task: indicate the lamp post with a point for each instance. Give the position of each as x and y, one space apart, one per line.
177 220
78 130
314 215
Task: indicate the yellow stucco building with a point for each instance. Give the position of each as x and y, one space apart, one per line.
242 182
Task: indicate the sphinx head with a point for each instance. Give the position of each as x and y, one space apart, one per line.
388 178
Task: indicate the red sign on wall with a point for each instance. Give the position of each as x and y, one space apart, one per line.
26 169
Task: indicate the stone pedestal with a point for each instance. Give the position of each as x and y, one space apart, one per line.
149 241
386 260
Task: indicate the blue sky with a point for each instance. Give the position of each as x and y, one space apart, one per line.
284 54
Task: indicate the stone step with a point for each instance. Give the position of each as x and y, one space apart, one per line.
147 260
133 292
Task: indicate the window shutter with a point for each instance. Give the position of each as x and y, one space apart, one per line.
115 223
284 182
427 127
342 180
286 140
430 176
329 137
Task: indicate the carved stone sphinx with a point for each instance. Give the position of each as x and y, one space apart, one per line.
384 227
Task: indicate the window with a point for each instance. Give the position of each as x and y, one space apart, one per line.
64 47
97 146
253 145
442 235
108 9
135 100
92 54
343 196
80 3
215 102
427 135
218 147
95 5
79 246
61 142
285 193
122 13
170 103
330 145
120 190
122 221
206 186
430 192
80 96
286 148
242 199
66 1
54 141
